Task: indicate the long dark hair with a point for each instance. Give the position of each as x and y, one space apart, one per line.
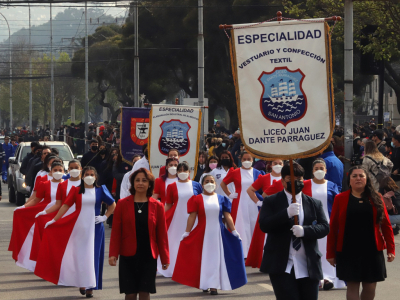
165 175
46 162
82 186
208 169
369 193
110 160
226 152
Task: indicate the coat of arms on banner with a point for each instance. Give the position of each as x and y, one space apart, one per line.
139 130
283 99
174 134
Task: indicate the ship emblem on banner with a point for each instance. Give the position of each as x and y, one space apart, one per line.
139 130
283 99
174 134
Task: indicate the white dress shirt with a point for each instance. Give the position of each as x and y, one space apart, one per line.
126 184
297 259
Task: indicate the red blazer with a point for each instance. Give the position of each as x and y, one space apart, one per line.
338 222
123 233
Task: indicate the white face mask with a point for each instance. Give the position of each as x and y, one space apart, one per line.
75 173
172 170
247 164
209 187
58 175
183 175
89 180
277 169
319 174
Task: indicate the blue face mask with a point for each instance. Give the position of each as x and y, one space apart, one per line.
256 159
224 145
362 148
391 143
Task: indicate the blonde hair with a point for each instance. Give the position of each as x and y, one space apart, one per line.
372 150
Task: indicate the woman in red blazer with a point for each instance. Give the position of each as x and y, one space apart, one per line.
138 236
359 232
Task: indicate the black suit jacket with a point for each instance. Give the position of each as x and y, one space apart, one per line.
275 221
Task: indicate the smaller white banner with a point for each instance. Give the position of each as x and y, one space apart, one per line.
174 127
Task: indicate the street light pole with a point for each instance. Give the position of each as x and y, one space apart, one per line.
200 63
348 83
52 123
30 72
9 46
86 72
136 56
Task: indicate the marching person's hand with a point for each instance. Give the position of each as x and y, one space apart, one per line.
259 203
41 214
332 261
49 223
233 196
100 219
390 257
236 234
293 209
185 235
164 267
298 231
112 261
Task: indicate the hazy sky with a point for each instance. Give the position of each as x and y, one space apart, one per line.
18 16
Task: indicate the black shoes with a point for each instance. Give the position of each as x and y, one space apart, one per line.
214 293
328 285
82 291
89 295
396 230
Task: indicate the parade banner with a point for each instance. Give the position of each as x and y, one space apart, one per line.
134 131
283 78
174 127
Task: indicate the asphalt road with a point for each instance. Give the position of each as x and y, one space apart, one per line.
18 283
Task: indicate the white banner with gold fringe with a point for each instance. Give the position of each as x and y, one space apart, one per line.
283 78
174 127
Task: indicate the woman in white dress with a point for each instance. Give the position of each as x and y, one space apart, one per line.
211 164
325 191
72 248
210 257
161 184
244 210
178 194
225 165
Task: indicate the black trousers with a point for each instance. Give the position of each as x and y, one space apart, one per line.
287 287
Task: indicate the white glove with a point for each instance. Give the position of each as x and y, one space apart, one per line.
41 214
293 210
298 231
259 203
28 188
185 235
236 234
100 219
49 223
19 207
233 196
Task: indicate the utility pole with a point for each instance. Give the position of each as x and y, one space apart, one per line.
30 72
9 48
348 83
52 123
86 73
136 56
381 92
200 63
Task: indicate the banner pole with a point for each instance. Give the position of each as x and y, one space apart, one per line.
296 218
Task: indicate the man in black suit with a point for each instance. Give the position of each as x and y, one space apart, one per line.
291 255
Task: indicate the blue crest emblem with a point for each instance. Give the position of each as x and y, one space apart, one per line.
218 176
174 135
283 99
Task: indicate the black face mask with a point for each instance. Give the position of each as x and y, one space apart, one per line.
298 186
103 151
94 148
39 154
226 162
